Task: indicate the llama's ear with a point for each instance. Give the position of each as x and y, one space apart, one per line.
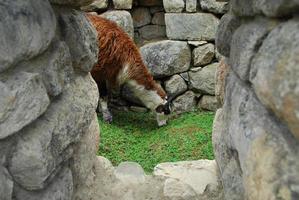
160 109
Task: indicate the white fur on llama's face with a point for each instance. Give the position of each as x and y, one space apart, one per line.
150 98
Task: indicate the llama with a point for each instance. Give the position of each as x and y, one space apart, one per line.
120 62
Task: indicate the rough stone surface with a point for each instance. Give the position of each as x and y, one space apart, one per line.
175 85
191 5
31 33
178 190
77 28
174 6
129 172
227 26
197 43
275 74
214 6
6 184
23 98
221 73
184 103
203 55
246 39
277 8
61 188
191 26
122 4
123 19
96 5
152 32
166 57
208 102
83 162
141 16
195 174
203 81
159 18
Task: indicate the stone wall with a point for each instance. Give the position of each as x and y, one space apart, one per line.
176 39
48 127
256 132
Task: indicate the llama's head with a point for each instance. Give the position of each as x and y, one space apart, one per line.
162 112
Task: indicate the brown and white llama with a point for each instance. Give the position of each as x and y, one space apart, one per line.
119 63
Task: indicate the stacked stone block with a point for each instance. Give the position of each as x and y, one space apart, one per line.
47 100
177 42
255 134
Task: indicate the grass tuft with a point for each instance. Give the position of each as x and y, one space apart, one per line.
136 137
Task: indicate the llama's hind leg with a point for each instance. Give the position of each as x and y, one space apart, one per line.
103 102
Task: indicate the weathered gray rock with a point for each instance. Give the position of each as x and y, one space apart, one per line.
122 4
191 26
239 138
228 24
242 7
24 36
277 8
75 27
175 86
54 67
96 5
208 102
167 57
214 6
150 2
6 184
178 190
197 43
23 98
198 175
184 103
123 19
83 161
152 32
174 6
159 18
191 5
72 3
275 72
246 39
141 16
203 55
203 81
130 172
45 144
61 188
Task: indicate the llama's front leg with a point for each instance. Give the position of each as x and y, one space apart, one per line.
107 116
103 102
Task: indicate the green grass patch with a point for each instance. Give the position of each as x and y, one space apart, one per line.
136 137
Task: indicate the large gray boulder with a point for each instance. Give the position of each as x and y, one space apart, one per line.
167 57
75 27
175 85
61 188
208 102
96 5
152 32
246 39
23 98
191 26
203 55
31 33
276 8
214 6
184 103
123 19
227 26
275 73
203 80
174 6
6 184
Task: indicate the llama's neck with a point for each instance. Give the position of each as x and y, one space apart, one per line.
150 98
